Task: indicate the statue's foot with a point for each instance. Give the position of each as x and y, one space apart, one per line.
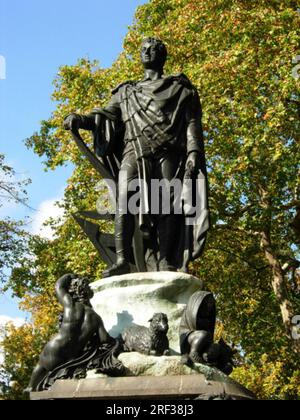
117 270
196 357
185 360
166 266
227 369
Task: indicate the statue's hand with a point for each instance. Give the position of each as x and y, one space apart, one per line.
193 163
71 122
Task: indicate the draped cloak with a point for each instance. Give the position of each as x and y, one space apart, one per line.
149 117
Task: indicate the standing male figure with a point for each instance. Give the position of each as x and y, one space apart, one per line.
159 134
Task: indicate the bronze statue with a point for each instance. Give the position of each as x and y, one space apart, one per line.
197 331
82 342
152 341
150 129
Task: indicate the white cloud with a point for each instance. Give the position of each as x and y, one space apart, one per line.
47 209
18 322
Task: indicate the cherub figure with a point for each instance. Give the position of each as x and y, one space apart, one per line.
197 330
79 326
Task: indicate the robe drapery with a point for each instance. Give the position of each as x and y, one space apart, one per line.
148 117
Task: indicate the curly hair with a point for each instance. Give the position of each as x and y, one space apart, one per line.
160 45
78 287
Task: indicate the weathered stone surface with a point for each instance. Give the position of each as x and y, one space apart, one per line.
141 365
163 387
133 299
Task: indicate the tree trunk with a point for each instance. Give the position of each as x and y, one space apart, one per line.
280 290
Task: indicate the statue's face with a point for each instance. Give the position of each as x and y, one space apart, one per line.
82 290
86 291
151 56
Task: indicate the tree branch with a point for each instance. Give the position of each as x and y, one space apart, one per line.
252 266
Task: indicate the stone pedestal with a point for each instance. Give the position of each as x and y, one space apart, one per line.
151 378
133 299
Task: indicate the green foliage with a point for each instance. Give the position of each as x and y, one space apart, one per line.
270 379
239 55
13 239
11 189
12 234
22 345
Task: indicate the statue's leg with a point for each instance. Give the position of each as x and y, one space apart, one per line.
199 342
166 169
37 377
167 242
124 230
124 220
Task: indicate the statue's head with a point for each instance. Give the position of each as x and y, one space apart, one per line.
80 289
153 54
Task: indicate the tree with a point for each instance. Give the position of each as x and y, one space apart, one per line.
12 236
239 55
33 281
22 345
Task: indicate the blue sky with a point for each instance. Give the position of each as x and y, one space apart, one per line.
36 38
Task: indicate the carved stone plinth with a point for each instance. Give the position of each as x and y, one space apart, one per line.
133 299
133 388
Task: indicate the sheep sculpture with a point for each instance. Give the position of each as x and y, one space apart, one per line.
151 341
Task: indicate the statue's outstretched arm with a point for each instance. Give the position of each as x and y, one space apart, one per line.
76 121
89 122
62 289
